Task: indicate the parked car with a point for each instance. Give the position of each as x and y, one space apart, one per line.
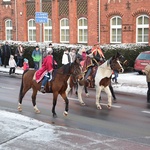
141 61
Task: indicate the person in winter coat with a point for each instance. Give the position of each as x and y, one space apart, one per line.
12 65
0 54
147 72
37 56
19 54
66 58
45 72
6 53
25 64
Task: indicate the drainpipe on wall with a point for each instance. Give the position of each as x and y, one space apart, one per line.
41 32
16 20
99 21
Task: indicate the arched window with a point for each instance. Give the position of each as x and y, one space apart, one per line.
64 30
142 29
82 30
8 29
116 30
48 31
31 30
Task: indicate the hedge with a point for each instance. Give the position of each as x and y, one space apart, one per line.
129 51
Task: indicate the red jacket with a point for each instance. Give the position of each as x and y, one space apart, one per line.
25 66
47 66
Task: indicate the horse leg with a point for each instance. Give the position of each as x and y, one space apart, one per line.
109 96
86 91
34 101
98 93
68 90
55 95
80 89
22 93
66 102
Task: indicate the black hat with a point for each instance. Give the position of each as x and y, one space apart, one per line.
37 46
50 44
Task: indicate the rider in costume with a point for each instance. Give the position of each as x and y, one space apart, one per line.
45 72
95 57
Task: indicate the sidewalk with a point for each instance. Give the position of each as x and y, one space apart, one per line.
17 71
22 133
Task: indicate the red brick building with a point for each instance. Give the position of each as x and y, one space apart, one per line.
76 21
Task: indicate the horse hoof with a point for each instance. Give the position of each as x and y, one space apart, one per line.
99 107
87 94
54 116
65 113
83 104
19 109
37 111
109 107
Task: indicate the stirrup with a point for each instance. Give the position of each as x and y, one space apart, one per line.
42 90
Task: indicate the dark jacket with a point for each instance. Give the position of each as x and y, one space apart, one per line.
6 51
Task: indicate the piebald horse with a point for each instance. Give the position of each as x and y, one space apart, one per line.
102 80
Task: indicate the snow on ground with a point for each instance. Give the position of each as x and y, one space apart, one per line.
131 83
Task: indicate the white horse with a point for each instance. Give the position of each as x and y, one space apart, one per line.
102 80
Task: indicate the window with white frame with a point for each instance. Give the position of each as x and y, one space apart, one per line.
64 30
142 29
48 31
116 30
31 30
6 0
82 30
8 29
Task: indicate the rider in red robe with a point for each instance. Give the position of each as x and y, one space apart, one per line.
45 72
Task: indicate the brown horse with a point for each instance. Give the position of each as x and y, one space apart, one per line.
58 85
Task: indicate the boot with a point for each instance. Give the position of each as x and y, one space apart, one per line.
42 90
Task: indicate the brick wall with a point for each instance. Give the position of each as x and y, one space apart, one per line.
108 8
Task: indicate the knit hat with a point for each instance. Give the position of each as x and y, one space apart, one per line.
49 50
25 60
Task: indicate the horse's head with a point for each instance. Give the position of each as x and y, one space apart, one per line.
115 62
76 70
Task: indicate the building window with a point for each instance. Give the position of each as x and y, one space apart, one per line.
82 30
8 27
142 29
31 30
116 30
48 31
64 30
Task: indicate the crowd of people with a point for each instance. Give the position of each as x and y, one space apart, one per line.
89 60
17 60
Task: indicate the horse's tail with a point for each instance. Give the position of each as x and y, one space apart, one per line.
21 87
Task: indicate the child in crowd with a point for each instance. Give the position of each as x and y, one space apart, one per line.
12 64
25 64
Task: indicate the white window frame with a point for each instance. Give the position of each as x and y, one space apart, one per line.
83 29
65 28
48 27
6 0
32 28
116 27
8 30
142 26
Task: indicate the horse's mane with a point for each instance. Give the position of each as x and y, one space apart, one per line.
65 69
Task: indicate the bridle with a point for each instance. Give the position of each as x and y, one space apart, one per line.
112 64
